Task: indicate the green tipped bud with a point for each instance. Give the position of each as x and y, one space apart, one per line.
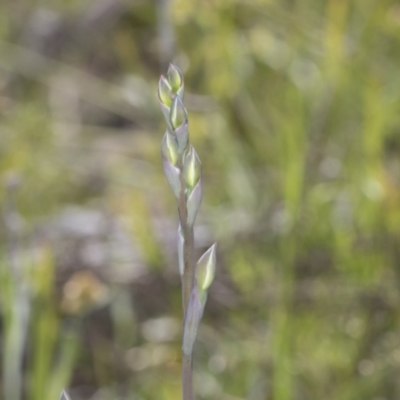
175 78
165 91
177 115
169 149
192 168
64 395
205 269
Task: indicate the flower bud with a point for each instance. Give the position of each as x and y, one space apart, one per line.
175 78
192 168
177 115
164 91
169 148
205 269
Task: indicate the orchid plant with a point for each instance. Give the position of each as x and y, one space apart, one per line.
182 168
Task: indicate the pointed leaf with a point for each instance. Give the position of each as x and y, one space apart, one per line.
193 203
172 173
192 168
192 321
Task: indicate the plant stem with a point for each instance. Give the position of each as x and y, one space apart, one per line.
187 285
189 268
188 275
187 378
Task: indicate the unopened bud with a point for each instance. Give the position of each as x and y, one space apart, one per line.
205 269
169 148
164 91
177 115
175 78
192 168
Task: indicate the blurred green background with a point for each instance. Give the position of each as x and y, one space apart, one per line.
294 111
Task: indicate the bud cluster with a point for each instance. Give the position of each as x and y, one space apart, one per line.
181 163
182 168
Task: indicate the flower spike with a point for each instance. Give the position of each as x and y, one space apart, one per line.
182 168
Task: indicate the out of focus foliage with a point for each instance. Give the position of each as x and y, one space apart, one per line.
294 110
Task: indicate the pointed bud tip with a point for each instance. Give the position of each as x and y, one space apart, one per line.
164 91
175 78
205 269
178 114
192 168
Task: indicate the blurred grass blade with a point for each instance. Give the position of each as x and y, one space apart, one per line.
15 334
60 374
